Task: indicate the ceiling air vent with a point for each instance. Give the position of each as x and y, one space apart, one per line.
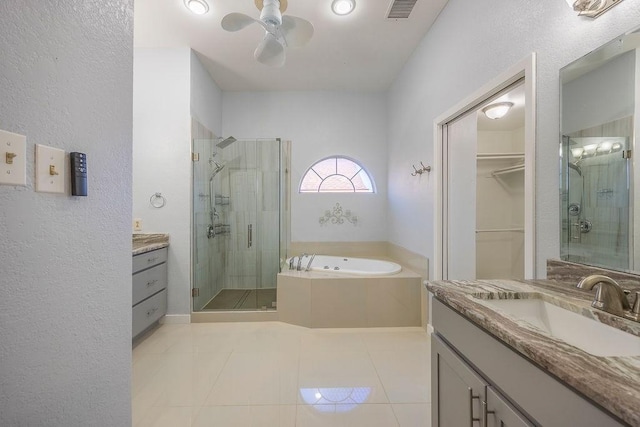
401 9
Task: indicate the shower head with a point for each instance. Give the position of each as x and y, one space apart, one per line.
575 167
225 142
218 168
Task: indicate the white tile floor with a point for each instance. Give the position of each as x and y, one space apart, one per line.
274 374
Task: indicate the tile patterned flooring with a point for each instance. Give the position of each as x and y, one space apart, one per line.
271 374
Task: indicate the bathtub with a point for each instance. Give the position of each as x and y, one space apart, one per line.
345 292
343 265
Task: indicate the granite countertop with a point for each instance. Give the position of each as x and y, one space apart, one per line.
612 382
148 242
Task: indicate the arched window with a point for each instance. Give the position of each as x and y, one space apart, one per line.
336 174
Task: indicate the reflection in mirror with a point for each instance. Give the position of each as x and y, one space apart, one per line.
599 95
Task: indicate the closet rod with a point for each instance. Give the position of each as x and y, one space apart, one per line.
511 169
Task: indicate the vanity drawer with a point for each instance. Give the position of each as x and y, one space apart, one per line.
149 259
148 282
149 311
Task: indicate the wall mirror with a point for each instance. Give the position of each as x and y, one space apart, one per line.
600 190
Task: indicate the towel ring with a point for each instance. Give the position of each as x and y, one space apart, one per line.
157 200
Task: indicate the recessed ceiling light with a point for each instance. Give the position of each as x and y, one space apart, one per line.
497 110
343 7
199 7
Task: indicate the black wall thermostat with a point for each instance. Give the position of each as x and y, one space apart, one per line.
78 174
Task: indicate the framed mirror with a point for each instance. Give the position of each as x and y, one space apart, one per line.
600 188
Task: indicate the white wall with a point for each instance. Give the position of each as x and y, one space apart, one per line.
460 54
321 124
170 85
65 262
206 97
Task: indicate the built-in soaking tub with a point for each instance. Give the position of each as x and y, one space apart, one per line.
344 265
350 293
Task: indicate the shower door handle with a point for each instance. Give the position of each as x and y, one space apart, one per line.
249 235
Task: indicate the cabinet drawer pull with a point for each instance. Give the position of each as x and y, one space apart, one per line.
153 310
152 282
152 259
486 412
471 399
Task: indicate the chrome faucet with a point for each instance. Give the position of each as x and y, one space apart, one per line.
291 261
610 297
299 266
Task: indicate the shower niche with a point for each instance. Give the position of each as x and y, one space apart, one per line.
238 237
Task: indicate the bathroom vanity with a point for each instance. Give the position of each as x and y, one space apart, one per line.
493 365
149 282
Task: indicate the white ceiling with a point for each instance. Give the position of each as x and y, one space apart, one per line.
363 51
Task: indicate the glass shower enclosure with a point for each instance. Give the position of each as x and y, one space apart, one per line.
596 202
238 244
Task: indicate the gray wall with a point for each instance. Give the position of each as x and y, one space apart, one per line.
601 95
461 53
65 262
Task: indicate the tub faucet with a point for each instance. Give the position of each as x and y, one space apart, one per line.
609 296
310 262
291 261
299 266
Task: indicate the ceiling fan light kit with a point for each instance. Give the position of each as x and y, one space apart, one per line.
281 31
592 8
199 7
343 7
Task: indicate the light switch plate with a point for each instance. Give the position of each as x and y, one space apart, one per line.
50 171
13 158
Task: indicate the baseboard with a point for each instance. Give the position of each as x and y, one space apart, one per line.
174 319
234 316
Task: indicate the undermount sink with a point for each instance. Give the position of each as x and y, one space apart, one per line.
579 331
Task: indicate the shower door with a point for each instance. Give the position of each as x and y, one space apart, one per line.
595 200
245 189
252 261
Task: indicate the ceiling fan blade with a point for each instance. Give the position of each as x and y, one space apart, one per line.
296 31
270 51
237 21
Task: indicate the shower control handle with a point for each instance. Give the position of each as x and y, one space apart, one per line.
249 235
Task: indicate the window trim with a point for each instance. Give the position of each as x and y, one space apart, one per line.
322 180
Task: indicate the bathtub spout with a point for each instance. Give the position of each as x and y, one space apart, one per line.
310 262
299 266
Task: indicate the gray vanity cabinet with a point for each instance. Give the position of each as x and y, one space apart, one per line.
468 362
149 289
500 414
457 391
461 397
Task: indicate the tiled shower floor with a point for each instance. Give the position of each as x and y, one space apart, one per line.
242 299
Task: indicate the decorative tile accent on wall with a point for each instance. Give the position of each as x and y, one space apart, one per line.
338 216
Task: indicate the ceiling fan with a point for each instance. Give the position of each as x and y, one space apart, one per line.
280 31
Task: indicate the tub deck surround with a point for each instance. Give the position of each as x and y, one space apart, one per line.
319 299
611 382
147 242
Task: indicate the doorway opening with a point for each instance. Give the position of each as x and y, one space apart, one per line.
485 182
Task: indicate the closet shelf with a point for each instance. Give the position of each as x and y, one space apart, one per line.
501 230
499 156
